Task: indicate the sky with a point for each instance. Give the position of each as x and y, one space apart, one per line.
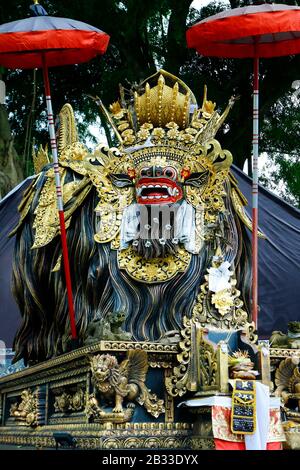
201 3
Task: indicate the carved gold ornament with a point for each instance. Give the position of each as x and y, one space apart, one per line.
46 221
68 402
223 309
153 269
197 362
27 410
40 159
223 301
287 381
122 381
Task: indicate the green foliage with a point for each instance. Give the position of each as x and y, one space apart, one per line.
281 141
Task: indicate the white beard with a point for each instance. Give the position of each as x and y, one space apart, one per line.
142 227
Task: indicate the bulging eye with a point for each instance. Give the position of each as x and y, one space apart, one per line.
170 172
146 172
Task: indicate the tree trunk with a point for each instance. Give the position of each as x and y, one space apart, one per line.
239 138
11 172
176 42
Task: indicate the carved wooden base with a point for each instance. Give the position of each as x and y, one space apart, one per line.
68 394
95 437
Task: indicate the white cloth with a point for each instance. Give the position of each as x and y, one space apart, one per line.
221 400
129 225
184 225
258 440
218 278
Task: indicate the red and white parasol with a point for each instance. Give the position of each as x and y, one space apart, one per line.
268 30
45 41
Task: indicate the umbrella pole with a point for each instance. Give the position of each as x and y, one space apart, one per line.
255 191
59 199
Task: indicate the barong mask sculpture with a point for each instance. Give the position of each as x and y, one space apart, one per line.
146 220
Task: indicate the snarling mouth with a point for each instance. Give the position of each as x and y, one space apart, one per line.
157 191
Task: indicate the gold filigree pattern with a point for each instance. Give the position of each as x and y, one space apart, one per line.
153 269
68 402
27 410
40 159
46 215
197 362
112 200
170 439
223 301
67 134
223 309
46 221
109 224
74 154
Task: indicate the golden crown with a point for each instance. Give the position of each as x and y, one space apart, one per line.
163 109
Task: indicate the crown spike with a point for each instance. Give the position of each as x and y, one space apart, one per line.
148 102
185 109
137 107
40 159
107 116
160 84
226 111
204 97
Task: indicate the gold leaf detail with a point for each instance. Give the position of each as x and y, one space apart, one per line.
154 269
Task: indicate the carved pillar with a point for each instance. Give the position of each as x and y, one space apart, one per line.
169 400
41 392
1 409
222 359
264 362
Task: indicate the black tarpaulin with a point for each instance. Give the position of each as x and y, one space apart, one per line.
279 260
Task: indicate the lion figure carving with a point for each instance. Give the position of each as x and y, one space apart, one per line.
144 220
116 382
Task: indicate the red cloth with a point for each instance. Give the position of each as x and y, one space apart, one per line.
226 440
60 47
232 35
227 445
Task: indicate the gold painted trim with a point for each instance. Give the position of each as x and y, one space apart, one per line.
278 352
102 346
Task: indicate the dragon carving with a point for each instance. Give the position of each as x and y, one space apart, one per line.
287 381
